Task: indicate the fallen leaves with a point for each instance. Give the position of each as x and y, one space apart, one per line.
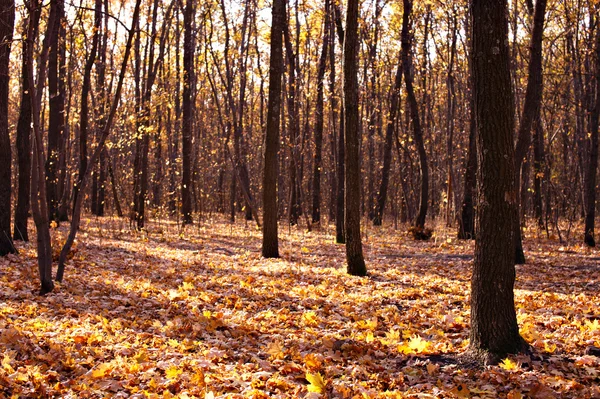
201 315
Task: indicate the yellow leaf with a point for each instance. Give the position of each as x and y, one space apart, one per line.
418 344
310 318
198 379
6 364
316 382
101 370
173 372
508 365
369 338
304 250
313 361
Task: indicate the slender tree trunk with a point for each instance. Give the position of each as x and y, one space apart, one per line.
7 21
56 111
340 233
538 168
319 120
533 97
592 167
188 112
24 133
270 243
354 254
414 113
494 330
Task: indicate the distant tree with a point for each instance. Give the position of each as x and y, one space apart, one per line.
7 21
494 330
270 243
354 254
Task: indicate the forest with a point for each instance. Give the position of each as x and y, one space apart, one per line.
299 198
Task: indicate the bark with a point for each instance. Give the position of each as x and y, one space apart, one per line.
7 21
494 330
538 168
24 135
414 113
56 111
188 111
270 244
39 204
354 255
533 97
592 167
318 164
340 234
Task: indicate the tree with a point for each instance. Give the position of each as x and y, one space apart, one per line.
270 244
354 255
24 135
414 114
494 330
56 111
188 112
531 107
7 21
592 168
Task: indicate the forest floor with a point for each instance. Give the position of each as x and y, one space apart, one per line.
199 313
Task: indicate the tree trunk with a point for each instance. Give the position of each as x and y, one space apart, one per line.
466 229
592 167
7 21
270 245
494 330
318 164
56 112
24 134
533 97
188 112
354 255
414 113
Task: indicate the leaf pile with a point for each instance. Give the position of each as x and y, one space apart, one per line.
201 314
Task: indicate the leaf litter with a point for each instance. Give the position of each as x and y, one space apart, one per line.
199 314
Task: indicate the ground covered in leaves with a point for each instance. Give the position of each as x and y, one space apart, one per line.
198 313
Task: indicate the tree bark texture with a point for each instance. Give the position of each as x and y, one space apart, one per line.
354 254
494 330
270 242
187 122
7 21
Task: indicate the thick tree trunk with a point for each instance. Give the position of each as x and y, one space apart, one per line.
7 21
414 113
354 254
270 243
494 330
